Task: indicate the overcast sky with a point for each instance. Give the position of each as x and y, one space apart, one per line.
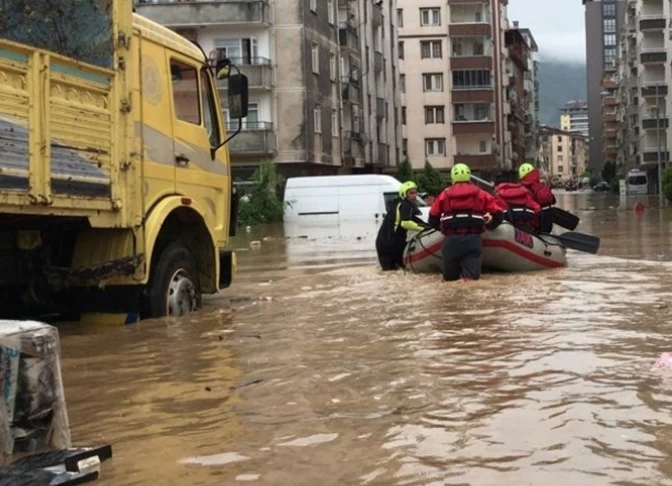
557 26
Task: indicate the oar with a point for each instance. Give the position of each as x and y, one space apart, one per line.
578 241
560 217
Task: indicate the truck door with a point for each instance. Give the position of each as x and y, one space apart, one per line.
200 174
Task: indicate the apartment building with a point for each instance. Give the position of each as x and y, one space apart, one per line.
564 154
453 61
604 19
516 94
574 118
317 71
644 78
531 89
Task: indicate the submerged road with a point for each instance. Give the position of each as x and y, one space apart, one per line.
317 369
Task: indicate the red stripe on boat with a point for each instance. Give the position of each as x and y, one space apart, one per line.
507 245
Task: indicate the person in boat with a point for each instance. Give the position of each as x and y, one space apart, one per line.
401 217
521 210
461 212
530 177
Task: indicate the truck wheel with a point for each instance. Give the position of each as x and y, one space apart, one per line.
173 288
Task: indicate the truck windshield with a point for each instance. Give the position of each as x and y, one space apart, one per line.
82 30
638 180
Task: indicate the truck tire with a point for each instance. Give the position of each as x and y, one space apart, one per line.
173 288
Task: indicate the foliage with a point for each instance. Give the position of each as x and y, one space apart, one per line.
609 171
405 172
667 183
587 173
263 204
430 181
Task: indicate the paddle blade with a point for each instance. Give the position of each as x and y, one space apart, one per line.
580 242
564 218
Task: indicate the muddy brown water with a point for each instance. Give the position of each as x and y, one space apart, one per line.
317 369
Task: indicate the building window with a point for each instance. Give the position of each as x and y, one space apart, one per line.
435 146
404 147
317 118
401 49
239 50
332 66
316 58
434 114
609 25
476 78
559 139
402 83
609 39
608 9
610 56
483 146
185 93
313 5
430 17
432 82
430 49
560 169
403 115
559 148
334 123
330 6
400 17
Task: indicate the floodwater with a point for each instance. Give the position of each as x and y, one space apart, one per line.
317 369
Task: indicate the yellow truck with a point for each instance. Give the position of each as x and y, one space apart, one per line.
115 179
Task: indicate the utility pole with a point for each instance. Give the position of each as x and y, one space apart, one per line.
661 200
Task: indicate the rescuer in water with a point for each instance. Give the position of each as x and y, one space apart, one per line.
530 178
402 217
461 212
519 205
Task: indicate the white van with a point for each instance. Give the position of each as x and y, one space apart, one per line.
637 182
342 198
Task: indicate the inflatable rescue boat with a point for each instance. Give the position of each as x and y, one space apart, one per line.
505 249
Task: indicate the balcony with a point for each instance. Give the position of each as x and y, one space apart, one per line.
258 70
472 87
484 162
654 89
380 108
347 36
656 55
652 22
377 15
469 19
378 62
650 155
351 92
173 13
650 122
352 145
256 138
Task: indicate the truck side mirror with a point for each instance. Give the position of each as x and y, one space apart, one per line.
238 96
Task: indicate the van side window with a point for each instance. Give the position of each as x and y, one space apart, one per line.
185 92
209 109
390 198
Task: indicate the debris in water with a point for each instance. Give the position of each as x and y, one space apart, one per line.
268 238
247 477
207 388
253 382
248 229
216 459
311 440
665 361
255 244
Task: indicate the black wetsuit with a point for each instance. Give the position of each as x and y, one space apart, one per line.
391 239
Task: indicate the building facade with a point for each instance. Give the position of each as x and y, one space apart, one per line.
564 154
317 70
454 83
517 94
574 118
643 82
532 98
604 19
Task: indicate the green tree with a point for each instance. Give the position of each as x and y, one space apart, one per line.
667 183
263 205
430 180
609 171
405 171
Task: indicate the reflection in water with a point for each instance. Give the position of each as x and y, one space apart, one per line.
327 373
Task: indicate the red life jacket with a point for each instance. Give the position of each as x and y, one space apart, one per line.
540 191
521 207
462 210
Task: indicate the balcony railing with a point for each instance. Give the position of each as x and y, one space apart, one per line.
175 13
255 138
471 87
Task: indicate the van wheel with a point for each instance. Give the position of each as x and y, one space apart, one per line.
173 288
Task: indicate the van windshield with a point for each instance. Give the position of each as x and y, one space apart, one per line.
638 180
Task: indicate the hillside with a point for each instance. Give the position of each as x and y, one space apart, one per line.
559 82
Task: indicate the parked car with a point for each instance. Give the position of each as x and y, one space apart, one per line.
601 187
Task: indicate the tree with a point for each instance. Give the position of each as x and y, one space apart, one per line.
430 180
609 171
405 172
263 204
667 183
